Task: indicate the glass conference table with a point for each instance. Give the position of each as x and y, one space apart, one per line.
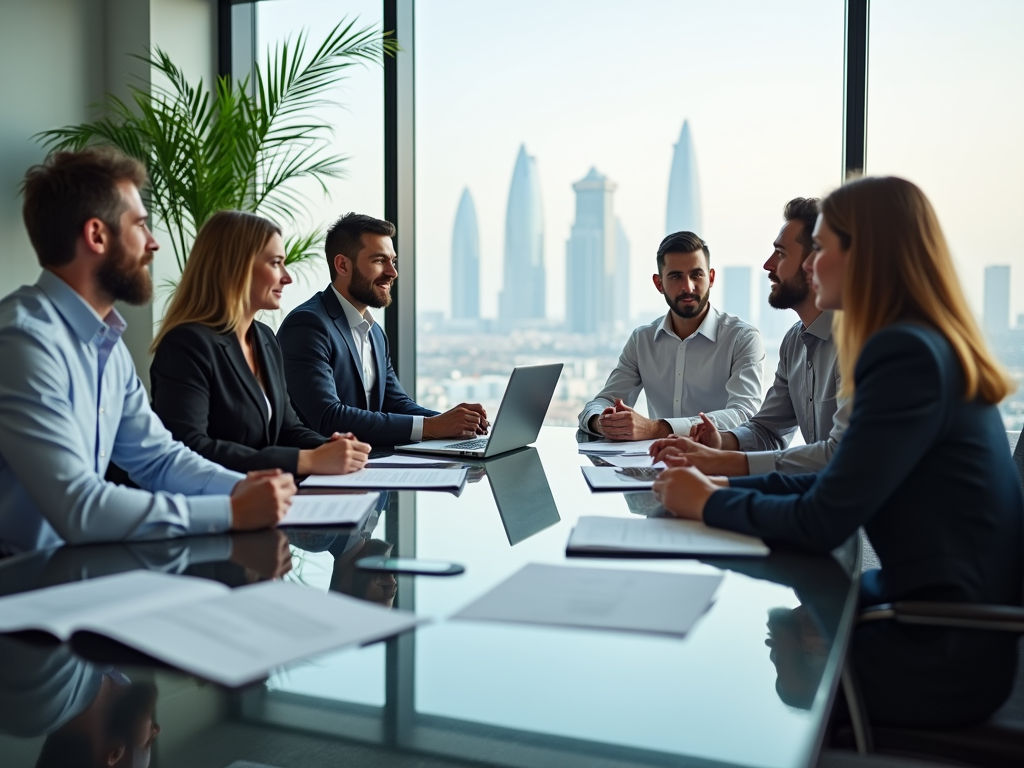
749 685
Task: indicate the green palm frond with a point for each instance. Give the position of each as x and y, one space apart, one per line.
242 145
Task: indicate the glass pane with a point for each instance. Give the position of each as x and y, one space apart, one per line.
357 117
558 143
946 110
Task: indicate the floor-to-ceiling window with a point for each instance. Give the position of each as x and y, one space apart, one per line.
946 111
558 143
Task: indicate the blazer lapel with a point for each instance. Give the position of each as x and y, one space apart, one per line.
237 363
340 319
277 390
379 349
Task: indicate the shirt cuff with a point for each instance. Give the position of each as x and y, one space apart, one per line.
585 418
417 429
761 462
223 483
209 514
744 436
681 426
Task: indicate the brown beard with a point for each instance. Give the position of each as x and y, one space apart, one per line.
789 293
132 285
362 290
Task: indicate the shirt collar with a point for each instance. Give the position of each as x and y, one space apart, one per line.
77 313
708 327
354 317
821 326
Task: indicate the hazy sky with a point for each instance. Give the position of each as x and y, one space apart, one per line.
589 83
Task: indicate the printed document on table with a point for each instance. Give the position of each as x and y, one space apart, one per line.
229 636
393 479
598 598
635 447
633 461
329 509
399 460
659 535
615 479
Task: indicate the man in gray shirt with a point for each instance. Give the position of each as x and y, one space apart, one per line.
806 384
695 359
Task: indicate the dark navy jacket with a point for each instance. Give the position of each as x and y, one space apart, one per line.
321 366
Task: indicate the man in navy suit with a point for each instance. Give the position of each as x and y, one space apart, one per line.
336 359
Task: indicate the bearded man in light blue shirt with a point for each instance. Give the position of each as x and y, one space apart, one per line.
694 360
70 401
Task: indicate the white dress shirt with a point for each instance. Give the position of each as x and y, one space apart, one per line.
360 324
717 370
804 395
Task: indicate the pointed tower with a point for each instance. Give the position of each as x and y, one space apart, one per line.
524 288
465 261
683 211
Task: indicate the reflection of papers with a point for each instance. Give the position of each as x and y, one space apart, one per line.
632 461
228 636
658 535
332 509
392 479
612 479
602 446
398 461
598 598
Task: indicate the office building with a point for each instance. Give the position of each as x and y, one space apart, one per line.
683 211
465 261
997 299
735 292
591 257
620 310
524 292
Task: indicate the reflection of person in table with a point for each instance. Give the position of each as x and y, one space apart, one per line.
799 652
91 716
923 466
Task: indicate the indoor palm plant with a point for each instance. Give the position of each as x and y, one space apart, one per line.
243 145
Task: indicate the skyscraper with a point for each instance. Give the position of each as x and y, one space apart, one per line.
997 299
590 256
524 289
736 292
621 289
683 212
465 261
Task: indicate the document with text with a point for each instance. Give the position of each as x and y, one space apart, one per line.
330 508
231 637
621 478
598 598
659 536
630 447
399 461
394 479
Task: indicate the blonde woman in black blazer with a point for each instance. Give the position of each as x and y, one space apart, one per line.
217 373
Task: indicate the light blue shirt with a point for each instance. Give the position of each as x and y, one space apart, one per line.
70 403
716 370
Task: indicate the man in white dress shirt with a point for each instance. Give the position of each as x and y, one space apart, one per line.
807 382
694 360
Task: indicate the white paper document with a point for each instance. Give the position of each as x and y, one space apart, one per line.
633 461
624 479
395 478
659 535
399 460
329 509
598 598
229 636
635 447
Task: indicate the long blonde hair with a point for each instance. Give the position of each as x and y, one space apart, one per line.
899 268
216 282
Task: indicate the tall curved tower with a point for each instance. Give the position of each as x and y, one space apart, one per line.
683 211
466 261
524 287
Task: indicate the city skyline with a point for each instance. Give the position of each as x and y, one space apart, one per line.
590 256
524 289
466 260
683 207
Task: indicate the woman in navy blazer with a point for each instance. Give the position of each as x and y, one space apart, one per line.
217 374
924 466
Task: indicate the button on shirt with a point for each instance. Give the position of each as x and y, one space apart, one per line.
717 370
804 395
360 325
70 403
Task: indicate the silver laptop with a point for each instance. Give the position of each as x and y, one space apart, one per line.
519 418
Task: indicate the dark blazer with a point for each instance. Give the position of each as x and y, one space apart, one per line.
208 398
321 366
930 478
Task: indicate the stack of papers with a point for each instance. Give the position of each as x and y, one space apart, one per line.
598 598
659 536
632 447
229 636
398 461
625 479
333 509
393 479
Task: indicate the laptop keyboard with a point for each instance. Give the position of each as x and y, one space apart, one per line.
469 445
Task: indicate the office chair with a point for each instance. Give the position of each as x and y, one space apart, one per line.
996 743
